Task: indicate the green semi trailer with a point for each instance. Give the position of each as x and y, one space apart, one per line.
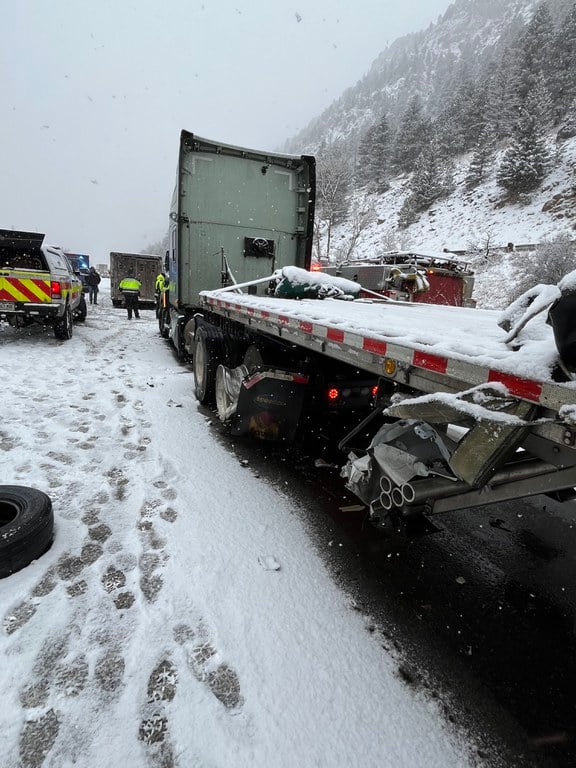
237 215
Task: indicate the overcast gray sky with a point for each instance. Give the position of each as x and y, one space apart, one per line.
94 95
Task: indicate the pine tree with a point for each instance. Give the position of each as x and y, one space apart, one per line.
383 136
462 121
539 103
527 160
562 80
536 49
431 180
428 181
412 136
482 158
407 214
374 156
364 158
502 95
568 126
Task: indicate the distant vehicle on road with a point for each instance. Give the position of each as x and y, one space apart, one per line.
81 265
143 266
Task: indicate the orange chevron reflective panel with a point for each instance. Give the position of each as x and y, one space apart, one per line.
32 290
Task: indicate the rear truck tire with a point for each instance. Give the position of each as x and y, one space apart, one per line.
164 323
26 527
63 328
178 341
227 390
208 351
81 311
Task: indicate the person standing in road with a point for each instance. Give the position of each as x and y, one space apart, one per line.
130 287
160 286
93 281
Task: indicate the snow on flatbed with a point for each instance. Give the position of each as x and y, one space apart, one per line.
460 334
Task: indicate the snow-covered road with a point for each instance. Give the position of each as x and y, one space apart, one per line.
151 634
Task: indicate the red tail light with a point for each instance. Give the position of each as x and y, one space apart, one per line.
315 266
375 390
56 289
333 394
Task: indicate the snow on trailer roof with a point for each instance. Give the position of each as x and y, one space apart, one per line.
465 343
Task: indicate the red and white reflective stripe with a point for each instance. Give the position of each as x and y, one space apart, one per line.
548 394
524 388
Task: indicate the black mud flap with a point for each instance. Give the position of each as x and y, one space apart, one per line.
269 405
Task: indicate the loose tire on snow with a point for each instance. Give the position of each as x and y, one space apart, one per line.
26 527
208 349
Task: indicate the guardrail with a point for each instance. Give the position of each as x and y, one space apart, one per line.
508 248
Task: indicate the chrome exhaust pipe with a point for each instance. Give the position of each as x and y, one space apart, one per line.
385 484
397 497
424 490
408 493
377 508
386 501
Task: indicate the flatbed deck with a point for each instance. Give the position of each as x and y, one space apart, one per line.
462 345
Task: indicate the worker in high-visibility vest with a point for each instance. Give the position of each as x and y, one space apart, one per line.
130 287
161 281
161 285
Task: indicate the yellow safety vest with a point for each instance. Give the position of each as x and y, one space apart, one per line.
130 285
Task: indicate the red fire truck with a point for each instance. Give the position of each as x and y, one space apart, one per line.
428 278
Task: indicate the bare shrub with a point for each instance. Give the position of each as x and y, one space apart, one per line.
548 264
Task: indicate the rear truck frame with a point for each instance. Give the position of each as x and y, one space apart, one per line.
444 432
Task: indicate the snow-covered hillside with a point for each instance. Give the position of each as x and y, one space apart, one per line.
477 221
467 36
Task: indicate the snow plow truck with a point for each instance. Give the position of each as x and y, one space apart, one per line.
431 408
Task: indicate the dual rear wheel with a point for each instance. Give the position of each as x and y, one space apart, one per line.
208 354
